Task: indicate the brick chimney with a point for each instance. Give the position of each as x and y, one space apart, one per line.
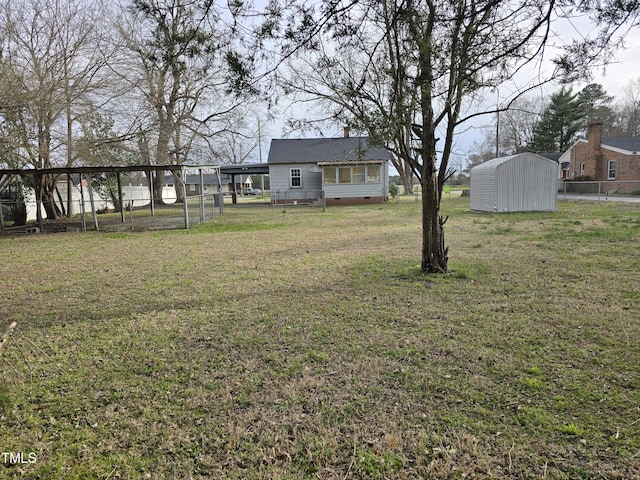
594 137
346 132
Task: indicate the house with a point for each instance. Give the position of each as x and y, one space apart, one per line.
346 170
615 161
210 184
525 182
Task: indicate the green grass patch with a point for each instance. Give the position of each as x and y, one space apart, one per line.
298 343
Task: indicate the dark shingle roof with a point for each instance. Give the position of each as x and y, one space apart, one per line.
313 150
631 144
551 155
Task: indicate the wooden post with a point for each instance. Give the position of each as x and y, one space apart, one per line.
185 203
92 202
151 182
120 197
83 209
1 216
5 335
38 188
201 195
220 194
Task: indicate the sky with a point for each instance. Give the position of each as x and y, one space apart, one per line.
623 67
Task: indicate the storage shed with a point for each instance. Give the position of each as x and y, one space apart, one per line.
525 182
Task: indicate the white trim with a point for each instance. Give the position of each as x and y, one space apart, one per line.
620 150
291 177
615 170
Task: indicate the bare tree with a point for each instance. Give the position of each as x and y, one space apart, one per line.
175 58
629 109
51 50
407 72
517 124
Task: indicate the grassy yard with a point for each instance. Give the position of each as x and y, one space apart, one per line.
293 344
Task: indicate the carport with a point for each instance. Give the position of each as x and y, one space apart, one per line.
243 169
38 174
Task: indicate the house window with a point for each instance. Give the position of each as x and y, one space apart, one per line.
296 178
330 175
192 187
373 174
582 169
358 175
613 169
344 174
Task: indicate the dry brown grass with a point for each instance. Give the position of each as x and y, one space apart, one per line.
297 344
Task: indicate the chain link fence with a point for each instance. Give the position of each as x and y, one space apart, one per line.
138 211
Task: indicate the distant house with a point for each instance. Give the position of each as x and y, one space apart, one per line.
346 169
612 160
210 184
525 182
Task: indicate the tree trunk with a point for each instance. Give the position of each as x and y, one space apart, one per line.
49 198
158 186
179 186
407 181
434 254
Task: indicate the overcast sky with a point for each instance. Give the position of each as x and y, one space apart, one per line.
624 67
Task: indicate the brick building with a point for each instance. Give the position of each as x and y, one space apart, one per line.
615 161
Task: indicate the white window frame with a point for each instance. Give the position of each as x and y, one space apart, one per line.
335 175
612 166
359 178
378 176
298 176
582 169
343 180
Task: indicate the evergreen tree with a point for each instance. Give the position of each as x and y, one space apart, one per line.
561 122
595 102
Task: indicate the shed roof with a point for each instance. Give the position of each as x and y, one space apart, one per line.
314 150
496 162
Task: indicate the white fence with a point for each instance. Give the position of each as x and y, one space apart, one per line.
138 195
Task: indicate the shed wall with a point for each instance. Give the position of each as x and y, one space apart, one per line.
483 191
526 184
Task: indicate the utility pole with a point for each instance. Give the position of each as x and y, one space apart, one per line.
497 123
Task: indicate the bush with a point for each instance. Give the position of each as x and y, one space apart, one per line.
393 189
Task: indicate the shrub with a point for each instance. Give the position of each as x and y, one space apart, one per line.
393 189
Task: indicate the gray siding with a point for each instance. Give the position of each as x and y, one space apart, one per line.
279 176
349 190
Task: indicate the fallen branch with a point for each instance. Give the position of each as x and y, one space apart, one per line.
5 335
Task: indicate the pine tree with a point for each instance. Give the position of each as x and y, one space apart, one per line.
595 101
561 122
